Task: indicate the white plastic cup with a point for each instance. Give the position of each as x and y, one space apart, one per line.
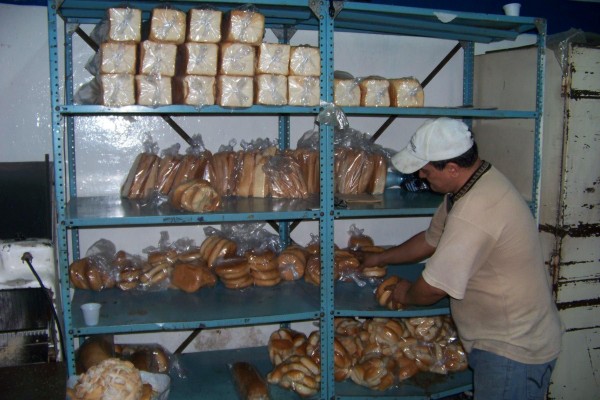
512 9
91 313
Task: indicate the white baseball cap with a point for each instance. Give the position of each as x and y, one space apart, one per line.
437 139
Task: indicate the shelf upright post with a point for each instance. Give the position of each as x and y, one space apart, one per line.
539 118
284 143
468 76
58 145
326 217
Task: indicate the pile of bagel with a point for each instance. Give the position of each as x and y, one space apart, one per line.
377 353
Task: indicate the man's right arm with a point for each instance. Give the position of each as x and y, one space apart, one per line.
413 250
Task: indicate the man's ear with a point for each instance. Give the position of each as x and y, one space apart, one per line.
453 169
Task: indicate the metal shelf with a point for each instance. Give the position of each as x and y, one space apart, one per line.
354 301
185 110
164 310
393 202
116 211
212 379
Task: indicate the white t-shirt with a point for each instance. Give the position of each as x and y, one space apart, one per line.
488 258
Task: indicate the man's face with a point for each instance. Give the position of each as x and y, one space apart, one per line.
439 180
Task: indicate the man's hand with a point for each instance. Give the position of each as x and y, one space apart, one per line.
400 290
418 293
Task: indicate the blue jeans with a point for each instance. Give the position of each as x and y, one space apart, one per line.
499 378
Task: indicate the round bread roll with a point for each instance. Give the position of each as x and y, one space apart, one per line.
231 269
292 263
358 241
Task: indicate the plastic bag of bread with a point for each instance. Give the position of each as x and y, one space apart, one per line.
358 239
243 25
298 373
353 170
119 25
292 263
196 196
96 270
249 383
223 162
169 163
143 173
251 237
406 92
204 25
273 58
234 272
346 92
197 163
308 159
374 92
285 177
93 351
167 25
216 245
149 357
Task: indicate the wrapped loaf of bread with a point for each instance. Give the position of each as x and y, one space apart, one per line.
304 91
243 173
305 61
191 277
406 92
192 166
195 196
204 25
353 170
291 263
285 178
260 183
224 169
235 91
271 89
377 183
119 25
157 58
118 90
244 25
346 92
194 90
142 177
167 25
197 59
374 92
153 90
309 164
237 59
273 58
116 58
250 385
86 273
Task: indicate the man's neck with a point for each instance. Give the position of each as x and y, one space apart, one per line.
466 174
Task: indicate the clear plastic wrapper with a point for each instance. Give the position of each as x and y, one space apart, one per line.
374 92
357 238
308 159
305 61
235 91
291 263
237 59
271 89
197 59
204 25
346 91
285 177
304 91
119 25
167 25
298 373
273 58
157 58
113 58
252 237
194 90
406 92
117 90
153 90
243 25
196 195
143 174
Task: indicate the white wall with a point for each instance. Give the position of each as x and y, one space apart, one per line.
106 146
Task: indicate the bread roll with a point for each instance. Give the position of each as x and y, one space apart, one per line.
197 59
374 92
406 92
112 379
291 263
167 25
273 58
153 90
243 25
157 58
196 196
204 25
118 90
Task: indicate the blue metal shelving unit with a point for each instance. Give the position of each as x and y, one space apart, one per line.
171 310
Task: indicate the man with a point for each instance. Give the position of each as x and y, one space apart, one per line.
483 252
